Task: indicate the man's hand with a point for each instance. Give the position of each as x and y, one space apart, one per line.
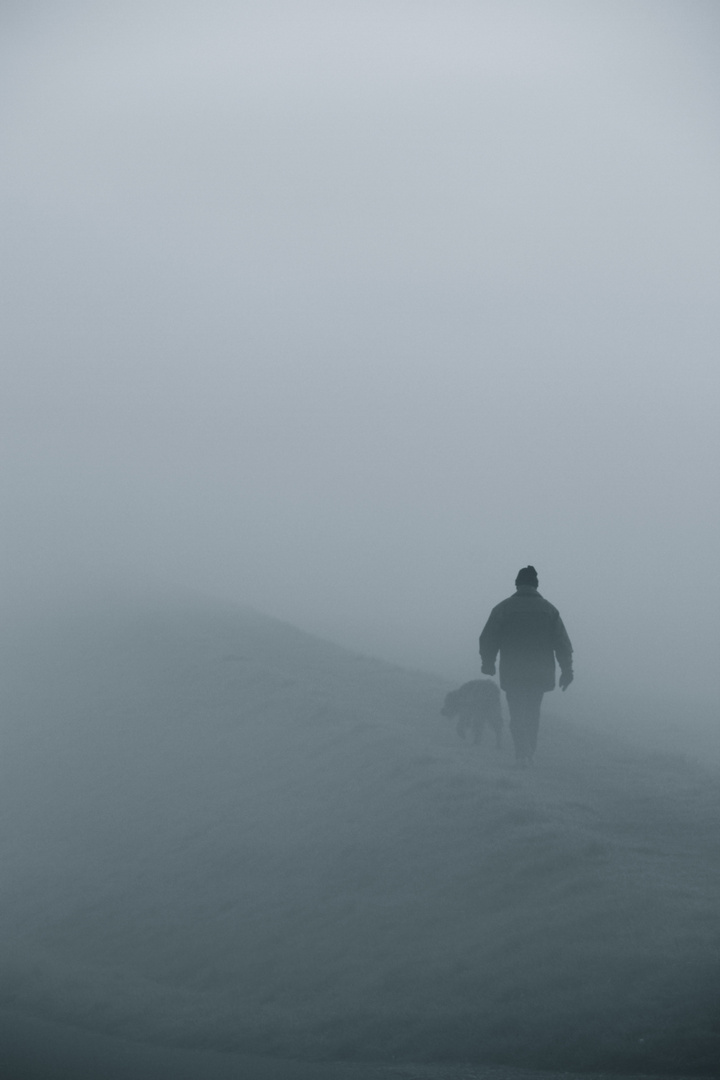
565 679
488 669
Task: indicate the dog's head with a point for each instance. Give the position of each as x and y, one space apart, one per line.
450 706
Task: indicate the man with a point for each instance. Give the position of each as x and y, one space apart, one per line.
529 634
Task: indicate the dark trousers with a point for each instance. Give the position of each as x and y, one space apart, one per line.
524 706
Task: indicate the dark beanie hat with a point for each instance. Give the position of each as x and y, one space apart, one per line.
527 576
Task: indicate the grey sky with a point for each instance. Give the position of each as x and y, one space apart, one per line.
349 310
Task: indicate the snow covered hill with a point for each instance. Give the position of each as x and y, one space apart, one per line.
221 832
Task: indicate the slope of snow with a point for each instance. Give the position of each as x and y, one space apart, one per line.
222 833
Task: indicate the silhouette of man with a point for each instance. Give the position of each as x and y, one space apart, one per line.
529 634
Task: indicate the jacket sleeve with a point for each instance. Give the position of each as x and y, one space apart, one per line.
563 647
490 639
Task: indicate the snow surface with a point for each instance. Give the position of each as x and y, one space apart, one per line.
33 1049
223 834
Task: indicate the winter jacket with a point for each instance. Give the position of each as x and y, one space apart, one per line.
529 634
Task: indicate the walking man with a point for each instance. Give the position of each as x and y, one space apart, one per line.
529 634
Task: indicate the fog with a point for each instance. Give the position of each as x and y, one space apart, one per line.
346 311
342 312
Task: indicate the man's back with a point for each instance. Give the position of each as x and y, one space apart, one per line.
529 634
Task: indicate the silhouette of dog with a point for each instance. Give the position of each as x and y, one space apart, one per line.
475 704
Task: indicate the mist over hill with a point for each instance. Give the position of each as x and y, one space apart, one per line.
221 832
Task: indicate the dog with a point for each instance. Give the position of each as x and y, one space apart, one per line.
475 704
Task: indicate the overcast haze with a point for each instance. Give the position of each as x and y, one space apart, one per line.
347 311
